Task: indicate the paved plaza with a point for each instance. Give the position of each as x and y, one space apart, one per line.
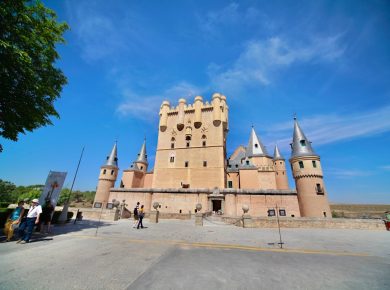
176 254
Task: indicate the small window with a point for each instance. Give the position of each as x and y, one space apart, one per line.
229 166
283 172
179 211
142 167
314 163
104 171
256 146
186 164
319 189
230 184
281 162
188 144
188 138
172 159
109 205
277 173
247 162
324 213
303 142
112 172
204 143
275 163
301 164
173 139
204 163
172 145
271 212
97 205
236 165
282 212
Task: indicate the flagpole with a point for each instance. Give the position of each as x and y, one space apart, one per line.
64 214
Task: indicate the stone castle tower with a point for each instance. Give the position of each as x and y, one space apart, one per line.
307 172
107 178
280 168
191 146
136 176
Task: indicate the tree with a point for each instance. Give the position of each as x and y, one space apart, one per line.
29 82
6 189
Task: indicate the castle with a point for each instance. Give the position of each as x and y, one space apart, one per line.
191 167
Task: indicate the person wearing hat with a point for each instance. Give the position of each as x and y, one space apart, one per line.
27 226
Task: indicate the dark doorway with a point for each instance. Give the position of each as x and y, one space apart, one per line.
217 205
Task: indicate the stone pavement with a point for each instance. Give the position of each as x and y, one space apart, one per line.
175 254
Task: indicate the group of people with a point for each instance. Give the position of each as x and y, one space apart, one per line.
139 214
25 223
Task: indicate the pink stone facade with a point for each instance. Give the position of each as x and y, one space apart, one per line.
191 167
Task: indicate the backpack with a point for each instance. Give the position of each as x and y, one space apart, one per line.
135 211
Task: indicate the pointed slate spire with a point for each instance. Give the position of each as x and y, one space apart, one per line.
277 155
255 147
142 156
112 160
300 146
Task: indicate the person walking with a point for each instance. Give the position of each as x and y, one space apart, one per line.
13 221
135 213
27 226
141 215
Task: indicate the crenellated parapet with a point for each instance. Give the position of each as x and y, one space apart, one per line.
218 107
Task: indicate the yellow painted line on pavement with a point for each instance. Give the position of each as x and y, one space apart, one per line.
225 246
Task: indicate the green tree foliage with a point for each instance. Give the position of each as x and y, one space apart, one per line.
10 193
6 189
29 82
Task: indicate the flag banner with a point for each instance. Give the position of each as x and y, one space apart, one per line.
54 182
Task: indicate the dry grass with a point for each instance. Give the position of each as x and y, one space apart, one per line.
359 210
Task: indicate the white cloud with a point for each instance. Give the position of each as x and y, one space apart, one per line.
324 129
228 15
146 107
347 173
260 60
385 167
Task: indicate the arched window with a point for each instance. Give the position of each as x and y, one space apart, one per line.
104 171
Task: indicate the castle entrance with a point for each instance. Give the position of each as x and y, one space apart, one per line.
217 205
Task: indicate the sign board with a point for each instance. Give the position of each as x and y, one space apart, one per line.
54 182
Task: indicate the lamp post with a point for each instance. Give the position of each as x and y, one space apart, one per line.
64 214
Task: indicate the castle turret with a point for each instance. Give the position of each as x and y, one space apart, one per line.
107 178
180 121
216 109
307 172
164 115
141 163
198 111
280 170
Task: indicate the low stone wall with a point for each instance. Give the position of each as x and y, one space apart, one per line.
285 222
180 216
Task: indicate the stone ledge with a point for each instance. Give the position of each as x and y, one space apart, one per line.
208 190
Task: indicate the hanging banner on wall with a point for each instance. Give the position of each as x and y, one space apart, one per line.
54 182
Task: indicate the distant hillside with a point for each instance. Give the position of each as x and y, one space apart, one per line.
359 210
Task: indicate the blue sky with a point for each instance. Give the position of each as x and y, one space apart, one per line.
326 61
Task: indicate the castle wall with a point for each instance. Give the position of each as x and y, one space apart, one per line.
174 201
148 179
281 174
249 179
234 177
133 179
